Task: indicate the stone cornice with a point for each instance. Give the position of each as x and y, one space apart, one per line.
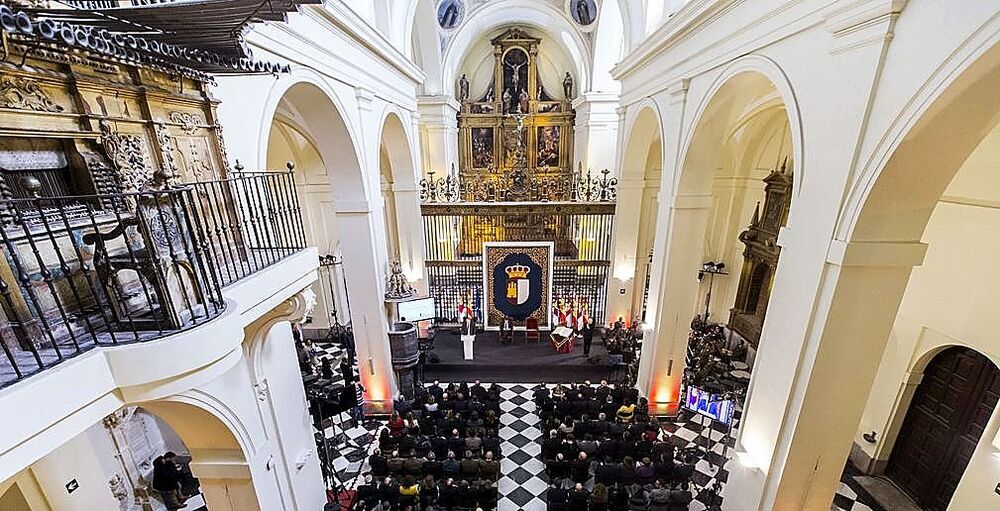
336 14
685 21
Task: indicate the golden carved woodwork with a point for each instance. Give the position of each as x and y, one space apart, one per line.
516 123
109 127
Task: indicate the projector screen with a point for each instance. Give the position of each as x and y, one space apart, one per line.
709 405
416 310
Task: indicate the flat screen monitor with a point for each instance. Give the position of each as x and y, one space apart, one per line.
416 310
710 405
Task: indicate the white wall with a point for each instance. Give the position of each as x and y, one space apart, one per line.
950 300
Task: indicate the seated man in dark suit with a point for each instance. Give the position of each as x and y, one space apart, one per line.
579 498
557 468
558 498
606 473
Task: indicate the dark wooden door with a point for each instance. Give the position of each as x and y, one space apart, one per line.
947 416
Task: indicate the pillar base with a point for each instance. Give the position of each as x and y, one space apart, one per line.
669 409
378 407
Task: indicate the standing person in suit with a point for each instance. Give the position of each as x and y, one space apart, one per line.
588 336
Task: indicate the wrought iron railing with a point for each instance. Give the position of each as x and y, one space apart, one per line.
133 266
519 187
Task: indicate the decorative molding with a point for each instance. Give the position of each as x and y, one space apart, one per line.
220 139
23 94
261 388
862 23
128 158
165 141
189 123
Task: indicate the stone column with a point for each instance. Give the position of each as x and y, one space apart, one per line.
625 243
410 233
793 460
675 285
365 282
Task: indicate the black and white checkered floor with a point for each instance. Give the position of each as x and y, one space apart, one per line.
523 483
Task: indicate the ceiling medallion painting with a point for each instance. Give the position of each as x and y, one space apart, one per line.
450 14
583 12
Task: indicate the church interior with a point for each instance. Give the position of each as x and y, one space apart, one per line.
568 255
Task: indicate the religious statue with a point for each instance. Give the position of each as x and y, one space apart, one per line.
506 100
463 88
568 86
522 104
583 12
449 17
397 287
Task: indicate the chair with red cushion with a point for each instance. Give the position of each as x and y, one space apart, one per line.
531 330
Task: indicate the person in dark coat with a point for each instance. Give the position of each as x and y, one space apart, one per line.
166 480
449 497
580 468
588 337
558 498
579 498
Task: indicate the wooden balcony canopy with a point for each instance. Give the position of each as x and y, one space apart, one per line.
202 35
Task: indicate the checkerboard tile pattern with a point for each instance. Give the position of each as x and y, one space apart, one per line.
851 496
523 482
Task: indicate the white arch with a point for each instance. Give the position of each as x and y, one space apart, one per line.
326 124
400 145
969 53
643 109
773 73
530 13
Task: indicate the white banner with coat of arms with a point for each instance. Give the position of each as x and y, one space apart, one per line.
517 278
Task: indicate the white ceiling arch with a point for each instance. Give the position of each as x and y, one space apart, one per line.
532 14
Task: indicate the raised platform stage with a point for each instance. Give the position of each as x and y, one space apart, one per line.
519 362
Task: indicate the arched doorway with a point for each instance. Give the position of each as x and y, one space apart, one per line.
946 419
401 201
635 215
878 241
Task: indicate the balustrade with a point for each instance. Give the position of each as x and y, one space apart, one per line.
88 270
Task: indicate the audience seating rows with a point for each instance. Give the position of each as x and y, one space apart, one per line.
605 433
440 450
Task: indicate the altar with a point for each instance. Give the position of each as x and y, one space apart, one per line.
563 339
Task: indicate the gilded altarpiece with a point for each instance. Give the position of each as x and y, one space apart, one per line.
516 123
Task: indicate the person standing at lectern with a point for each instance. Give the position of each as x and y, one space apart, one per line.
469 326
588 336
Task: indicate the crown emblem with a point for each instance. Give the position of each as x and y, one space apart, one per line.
517 271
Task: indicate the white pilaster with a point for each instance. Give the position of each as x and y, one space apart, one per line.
596 129
438 133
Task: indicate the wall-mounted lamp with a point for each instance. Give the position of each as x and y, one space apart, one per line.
870 437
